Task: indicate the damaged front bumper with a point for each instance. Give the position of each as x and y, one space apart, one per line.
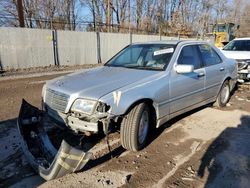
244 75
49 162
243 70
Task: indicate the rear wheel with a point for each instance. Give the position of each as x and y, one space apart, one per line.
135 127
224 95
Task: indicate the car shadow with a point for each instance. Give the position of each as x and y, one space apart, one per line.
13 166
157 132
227 158
119 150
114 153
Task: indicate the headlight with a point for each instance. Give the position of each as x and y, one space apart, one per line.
83 106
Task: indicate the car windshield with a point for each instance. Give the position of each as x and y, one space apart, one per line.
238 45
143 56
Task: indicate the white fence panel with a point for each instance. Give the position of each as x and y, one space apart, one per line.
144 38
28 48
76 48
25 48
111 43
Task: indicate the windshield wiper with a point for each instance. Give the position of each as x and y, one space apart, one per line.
142 67
110 65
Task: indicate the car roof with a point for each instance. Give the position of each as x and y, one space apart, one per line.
174 42
244 38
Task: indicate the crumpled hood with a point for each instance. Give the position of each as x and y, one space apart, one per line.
240 55
95 83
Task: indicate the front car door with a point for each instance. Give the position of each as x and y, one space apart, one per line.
187 89
214 69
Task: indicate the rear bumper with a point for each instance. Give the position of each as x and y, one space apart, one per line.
49 162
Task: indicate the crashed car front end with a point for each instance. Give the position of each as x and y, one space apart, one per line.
243 70
78 114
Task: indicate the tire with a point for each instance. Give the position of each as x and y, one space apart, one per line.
135 127
224 95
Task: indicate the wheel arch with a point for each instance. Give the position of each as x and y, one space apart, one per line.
228 78
231 83
149 102
218 102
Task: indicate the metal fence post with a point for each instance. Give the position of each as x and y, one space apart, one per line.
1 67
55 48
99 60
130 37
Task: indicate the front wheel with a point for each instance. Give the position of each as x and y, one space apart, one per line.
134 128
223 96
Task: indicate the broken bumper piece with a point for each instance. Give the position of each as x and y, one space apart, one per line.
49 162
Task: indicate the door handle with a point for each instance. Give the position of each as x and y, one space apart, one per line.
222 69
201 74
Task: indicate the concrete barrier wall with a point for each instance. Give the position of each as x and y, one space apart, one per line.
25 48
28 48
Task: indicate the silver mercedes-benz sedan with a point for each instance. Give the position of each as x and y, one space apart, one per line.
143 86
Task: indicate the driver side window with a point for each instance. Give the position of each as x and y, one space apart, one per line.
189 56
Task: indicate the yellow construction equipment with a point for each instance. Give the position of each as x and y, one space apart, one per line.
223 33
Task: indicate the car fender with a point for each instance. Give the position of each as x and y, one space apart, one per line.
122 99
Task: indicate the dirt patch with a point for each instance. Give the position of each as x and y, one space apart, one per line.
94 178
240 98
28 71
180 156
13 91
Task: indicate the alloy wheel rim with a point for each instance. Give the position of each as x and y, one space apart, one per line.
224 94
143 127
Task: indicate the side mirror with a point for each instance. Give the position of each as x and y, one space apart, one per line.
182 69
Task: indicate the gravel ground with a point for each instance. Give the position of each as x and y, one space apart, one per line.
207 147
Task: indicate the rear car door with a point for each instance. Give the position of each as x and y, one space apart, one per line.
214 70
187 89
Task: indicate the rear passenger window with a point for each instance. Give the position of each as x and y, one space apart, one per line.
189 56
209 56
